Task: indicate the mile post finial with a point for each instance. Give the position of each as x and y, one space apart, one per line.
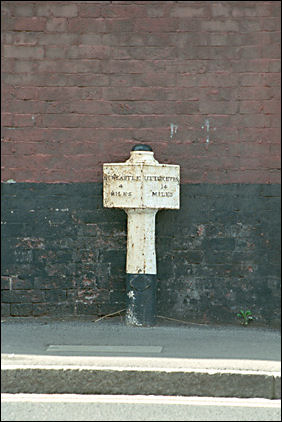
142 147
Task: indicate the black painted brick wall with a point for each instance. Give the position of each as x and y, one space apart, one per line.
221 253
64 254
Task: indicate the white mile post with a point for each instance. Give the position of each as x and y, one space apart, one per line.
141 186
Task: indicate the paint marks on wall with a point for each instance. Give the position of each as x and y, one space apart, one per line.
173 130
207 126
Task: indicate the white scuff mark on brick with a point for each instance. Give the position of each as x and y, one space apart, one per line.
62 209
90 297
207 125
173 129
3 222
31 210
12 212
11 181
10 283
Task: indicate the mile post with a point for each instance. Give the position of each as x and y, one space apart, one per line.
141 186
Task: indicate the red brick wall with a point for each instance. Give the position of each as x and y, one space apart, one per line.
84 81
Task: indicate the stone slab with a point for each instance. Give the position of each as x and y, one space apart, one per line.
103 349
46 379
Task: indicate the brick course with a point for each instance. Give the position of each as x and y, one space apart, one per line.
205 67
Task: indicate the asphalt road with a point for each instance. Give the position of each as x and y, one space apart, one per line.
35 336
39 407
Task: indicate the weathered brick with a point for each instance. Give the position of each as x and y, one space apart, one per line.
272 107
17 284
28 66
272 79
190 11
87 309
91 39
56 25
271 24
118 25
21 309
7 119
89 10
23 38
57 295
88 51
29 24
219 9
5 309
53 52
255 93
252 52
253 65
58 10
23 10
149 79
122 11
5 282
83 106
218 26
23 52
250 107
17 296
86 25
62 93
23 120
249 25
70 66
188 25
249 10
42 309
156 25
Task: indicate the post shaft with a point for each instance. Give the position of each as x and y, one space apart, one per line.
141 267
141 252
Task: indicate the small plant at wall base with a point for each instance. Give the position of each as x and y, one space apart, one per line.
246 317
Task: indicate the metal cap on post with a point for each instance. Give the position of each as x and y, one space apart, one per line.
141 186
141 147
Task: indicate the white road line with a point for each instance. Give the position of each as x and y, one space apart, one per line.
91 398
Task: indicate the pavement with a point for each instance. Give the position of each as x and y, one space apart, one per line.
104 356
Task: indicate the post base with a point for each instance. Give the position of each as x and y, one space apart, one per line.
141 300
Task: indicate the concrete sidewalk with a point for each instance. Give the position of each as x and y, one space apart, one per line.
106 357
